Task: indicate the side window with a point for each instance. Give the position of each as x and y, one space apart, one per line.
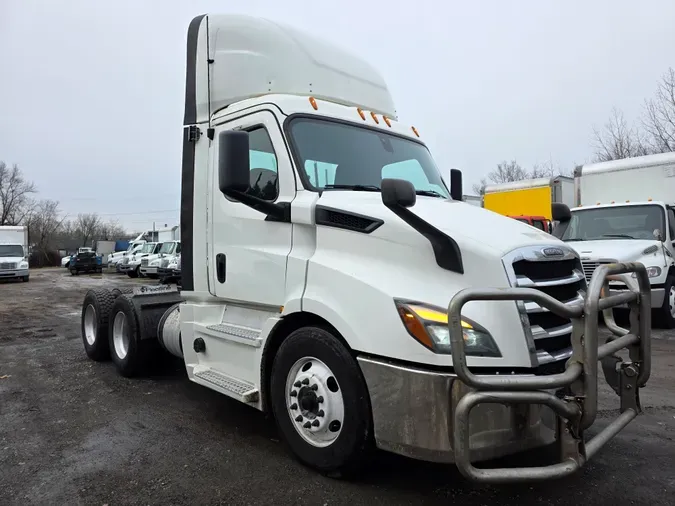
671 223
177 248
263 160
539 224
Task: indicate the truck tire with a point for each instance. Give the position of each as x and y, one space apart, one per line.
668 307
73 272
320 402
26 279
95 312
116 292
127 351
134 272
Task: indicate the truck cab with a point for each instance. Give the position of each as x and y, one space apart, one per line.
627 213
538 222
332 279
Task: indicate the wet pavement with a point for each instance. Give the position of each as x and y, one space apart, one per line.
74 432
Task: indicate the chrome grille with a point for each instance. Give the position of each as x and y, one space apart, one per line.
144 262
7 265
589 267
561 277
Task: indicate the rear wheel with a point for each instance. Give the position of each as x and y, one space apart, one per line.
95 311
26 279
126 348
320 402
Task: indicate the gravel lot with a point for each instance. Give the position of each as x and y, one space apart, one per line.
74 432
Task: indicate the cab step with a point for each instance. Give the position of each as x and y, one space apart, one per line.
240 390
236 333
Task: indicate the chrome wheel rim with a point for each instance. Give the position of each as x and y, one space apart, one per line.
121 335
314 402
90 324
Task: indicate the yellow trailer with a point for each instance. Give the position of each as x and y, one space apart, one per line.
529 197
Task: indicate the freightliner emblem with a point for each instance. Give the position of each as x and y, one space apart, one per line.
552 252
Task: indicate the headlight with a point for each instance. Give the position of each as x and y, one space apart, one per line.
23 265
652 272
429 326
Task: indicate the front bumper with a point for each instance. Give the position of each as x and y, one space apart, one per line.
127 267
414 411
657 293
466 417
14 273
149 269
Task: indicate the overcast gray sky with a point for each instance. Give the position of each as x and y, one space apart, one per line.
91 92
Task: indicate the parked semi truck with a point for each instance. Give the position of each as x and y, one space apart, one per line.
332 279
627 214
530 199
14 253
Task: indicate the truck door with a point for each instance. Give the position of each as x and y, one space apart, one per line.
247 253
670 242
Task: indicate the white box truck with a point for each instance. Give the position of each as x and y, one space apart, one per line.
627 214
14 253
332 279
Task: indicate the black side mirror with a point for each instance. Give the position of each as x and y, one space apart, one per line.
456 190
233 161
560 212
398 192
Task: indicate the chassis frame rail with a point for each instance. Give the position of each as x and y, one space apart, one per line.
577 407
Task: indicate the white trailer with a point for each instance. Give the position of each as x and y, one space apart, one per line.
14 252
627 214
332 279
168 234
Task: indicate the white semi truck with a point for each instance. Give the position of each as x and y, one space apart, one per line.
14 252
627 214
332 279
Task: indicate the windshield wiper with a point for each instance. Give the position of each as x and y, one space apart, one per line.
429 193
355 187
620 236
573 239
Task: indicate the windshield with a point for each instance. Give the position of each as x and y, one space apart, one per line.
11 250
341 156
147 247
167 247
617 222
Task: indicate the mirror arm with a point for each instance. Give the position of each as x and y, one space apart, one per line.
275 211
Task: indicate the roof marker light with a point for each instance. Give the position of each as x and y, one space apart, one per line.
597 203
313 102
415 131
649 199
361 113
627 201
377 121
612 202
386 120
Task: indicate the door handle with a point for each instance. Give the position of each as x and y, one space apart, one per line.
220 267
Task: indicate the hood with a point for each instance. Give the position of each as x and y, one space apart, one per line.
465 223
11 260
622 250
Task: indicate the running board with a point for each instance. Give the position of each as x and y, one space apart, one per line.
235 388
232 332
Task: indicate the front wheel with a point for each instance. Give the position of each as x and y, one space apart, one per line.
320 402
668 307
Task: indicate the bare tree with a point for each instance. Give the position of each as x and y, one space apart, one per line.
659 120
15 191
110 230
44 223
618 139
504 173
87 226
